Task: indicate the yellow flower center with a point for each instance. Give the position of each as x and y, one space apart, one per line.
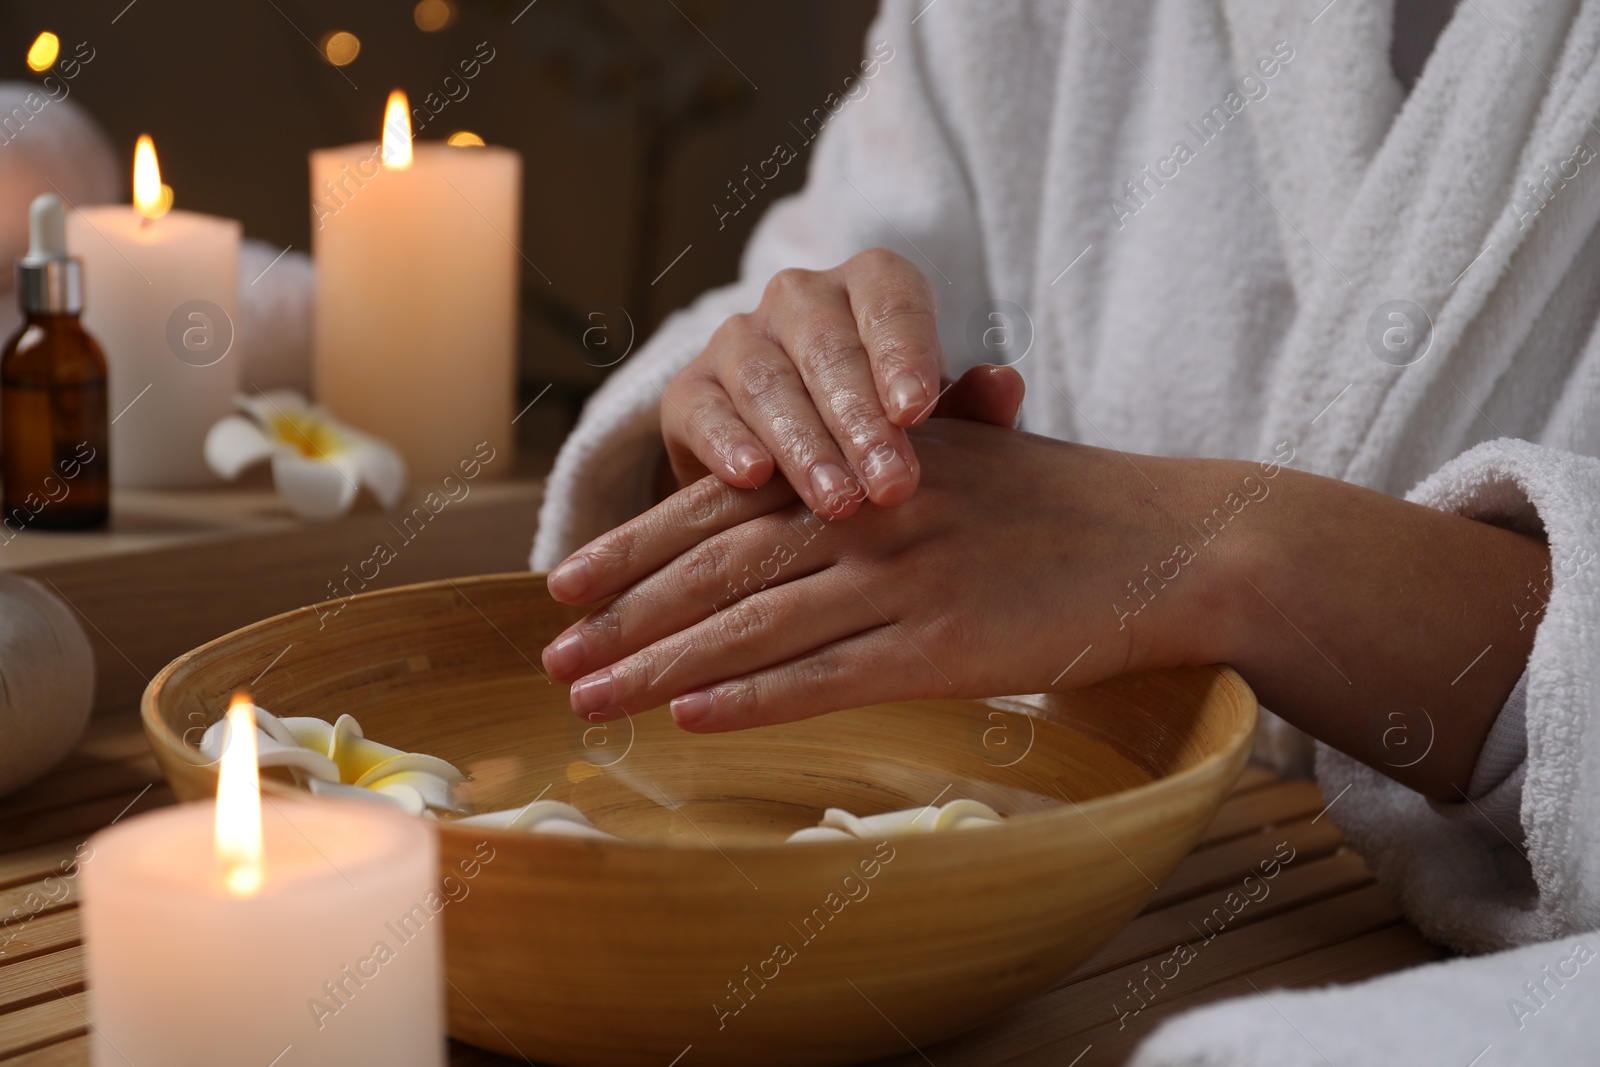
308 435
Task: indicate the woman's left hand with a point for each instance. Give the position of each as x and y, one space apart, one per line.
1009 571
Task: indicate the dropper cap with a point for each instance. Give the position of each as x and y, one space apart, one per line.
49 282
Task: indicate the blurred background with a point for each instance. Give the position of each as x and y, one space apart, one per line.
631 116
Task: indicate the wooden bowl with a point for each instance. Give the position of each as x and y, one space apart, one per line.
704 931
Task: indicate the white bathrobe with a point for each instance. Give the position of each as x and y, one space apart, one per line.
1203 213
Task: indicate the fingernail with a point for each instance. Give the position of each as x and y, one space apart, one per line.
906 394
568 581
885 468
564 656
592 693
832 485
745 459
691 708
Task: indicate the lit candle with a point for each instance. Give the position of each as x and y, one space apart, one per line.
416 265
219 938
161 292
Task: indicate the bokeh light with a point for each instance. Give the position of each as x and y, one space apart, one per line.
432 15
341 48
465 139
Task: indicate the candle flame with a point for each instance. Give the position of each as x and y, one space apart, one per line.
397 132
43 52
238 831
151 197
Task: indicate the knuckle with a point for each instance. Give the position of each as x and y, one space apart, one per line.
701 501
614 553
813 679
703 566
879 258
899 322
737 699
860 416
735 330
758 378
603 629
789 284
827 350
744 623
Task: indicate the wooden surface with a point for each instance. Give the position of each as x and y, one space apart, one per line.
1321 920
178 568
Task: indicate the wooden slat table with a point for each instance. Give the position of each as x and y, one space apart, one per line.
1322 919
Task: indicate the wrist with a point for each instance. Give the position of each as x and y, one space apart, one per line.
1237 533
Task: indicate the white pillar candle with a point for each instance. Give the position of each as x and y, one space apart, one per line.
327 952
161 295
416 302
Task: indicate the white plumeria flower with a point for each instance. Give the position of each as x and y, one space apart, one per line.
319 464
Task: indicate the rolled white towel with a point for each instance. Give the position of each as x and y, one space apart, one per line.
274 328
60 149
46 681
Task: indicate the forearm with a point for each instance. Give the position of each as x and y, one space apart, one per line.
1389 630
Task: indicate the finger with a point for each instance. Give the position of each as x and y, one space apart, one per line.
896 318
986 393
761 554
813 322
617 559
754 633
867 668
771 398
705 435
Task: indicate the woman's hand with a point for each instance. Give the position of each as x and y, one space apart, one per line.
819 383
1392 631
1002 575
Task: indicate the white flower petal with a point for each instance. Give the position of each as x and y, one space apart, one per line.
262 406
411 803
404 795
820 833
383 470
273 726
234 443
434 791
411 763
316 488
271 749
965 815
542 816
308 732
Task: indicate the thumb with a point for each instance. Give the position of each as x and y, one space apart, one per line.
986 393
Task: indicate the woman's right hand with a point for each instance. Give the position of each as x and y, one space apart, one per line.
819 383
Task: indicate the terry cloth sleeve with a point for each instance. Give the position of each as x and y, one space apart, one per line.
883 173
1475 887
1531 1005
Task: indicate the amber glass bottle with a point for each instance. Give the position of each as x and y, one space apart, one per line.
54 459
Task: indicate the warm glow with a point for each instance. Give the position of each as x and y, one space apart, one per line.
238 834
151 197
341 48
42 53
431 15
465 139
397 132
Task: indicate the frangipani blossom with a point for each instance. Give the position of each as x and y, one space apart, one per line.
839 825
319 464
335 759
